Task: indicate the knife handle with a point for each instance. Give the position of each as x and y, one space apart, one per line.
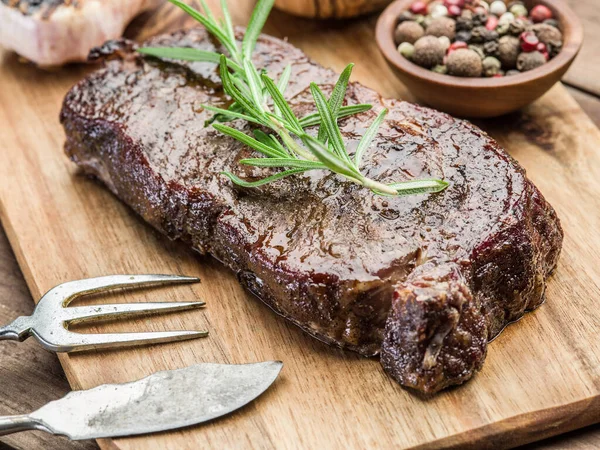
15 424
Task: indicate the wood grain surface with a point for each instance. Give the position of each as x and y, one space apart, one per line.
584 72
330 8
31 376
541 375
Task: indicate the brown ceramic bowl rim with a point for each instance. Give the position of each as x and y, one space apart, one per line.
570 25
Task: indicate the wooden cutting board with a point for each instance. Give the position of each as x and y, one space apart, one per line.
541 377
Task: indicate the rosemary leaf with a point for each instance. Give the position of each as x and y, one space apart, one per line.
282 84
255 84
242 86
330 124
252 184
423 186
188 54
367 138
271 141
245 139
283 106
313 119
207 12
228 25
229 114
235 93
288 126
278 144
284 79
283 162
234 107
329 159
210 25
257 22
337 97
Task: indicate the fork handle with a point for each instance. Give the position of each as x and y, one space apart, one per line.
18 330
7 334
15 424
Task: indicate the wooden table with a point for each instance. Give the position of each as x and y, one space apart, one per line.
31 376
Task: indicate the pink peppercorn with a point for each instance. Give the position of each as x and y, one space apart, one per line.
540 13
541 47
454 10
457 45
492 23
449 3
418 8
529 42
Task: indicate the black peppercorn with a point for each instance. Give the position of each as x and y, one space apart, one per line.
463 36
406 15
554 49
491 35
480 19
552 22
464 24
491 48
478 34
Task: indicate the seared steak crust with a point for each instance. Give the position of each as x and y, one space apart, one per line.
425 280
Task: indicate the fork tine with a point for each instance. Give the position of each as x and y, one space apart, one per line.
81 342
66 292
88 313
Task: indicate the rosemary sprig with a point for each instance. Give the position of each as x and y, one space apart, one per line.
259 99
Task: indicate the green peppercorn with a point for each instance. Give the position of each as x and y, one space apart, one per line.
503 28
491 66
406 49
519 10
440 69
478 49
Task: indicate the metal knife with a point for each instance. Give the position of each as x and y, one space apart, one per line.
163 401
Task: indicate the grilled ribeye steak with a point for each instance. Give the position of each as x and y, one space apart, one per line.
54 32
425 281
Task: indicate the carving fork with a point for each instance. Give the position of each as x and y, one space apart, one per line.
51 317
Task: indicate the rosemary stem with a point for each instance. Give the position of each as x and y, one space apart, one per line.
289 141
376 185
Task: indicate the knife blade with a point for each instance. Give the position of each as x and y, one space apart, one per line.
160 402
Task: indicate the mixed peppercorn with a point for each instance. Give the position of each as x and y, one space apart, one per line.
478 38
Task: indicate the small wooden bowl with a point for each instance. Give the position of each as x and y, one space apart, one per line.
330 9
480 97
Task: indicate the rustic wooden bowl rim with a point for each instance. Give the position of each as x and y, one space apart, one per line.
572 40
